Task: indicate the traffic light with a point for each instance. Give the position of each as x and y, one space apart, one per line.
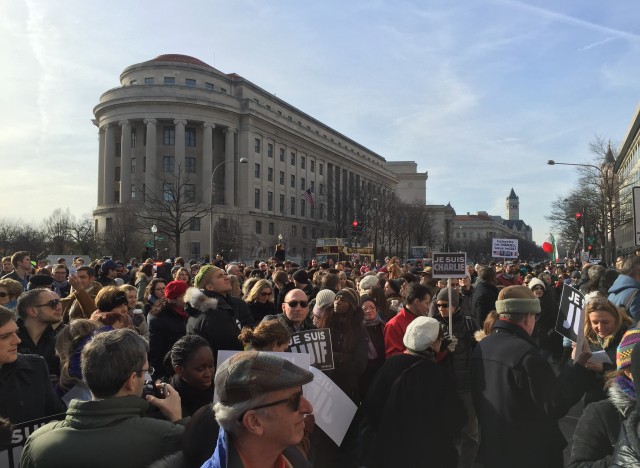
590 248
356 227
579 219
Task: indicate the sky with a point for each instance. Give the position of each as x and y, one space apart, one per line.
480 93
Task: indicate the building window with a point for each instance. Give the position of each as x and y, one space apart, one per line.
270 150
281 178
293 181
321 168
208 86
133 191
303 207
303 183
272 229
312 211
270 201
194 224
293 158
313 233
118 178
169 80
194 248
256 145
118 151
303 162
281 154
109 225
256 201
313 166
148 80
190 192
168 164
190 136
133 137
224 90
190 165
167 192
133 165
293 206
304 232
322 189
294 231
270 174
116 196
312 186
281 204
258 227
321 211
257 170
190 82
169 136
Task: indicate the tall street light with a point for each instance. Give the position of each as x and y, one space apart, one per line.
154 230
213 189
606 196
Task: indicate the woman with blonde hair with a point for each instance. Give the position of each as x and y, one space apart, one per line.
395 272
182 274
260 300
134 309
70 342
236 290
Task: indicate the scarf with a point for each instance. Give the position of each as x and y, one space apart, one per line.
180 311
626 385
372 323
57 287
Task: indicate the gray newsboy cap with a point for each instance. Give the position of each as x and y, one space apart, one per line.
250 374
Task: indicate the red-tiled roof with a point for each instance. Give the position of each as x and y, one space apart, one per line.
181 59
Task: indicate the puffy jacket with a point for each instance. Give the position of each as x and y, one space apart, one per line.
483 300
620 294
627 451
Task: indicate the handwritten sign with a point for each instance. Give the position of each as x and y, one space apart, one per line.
316 343
505 248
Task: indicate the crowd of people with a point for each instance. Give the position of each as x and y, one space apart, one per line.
459 373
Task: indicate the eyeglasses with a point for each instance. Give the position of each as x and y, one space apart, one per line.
443 306
4 294
265 293
293 402
150 370
53 303
294 304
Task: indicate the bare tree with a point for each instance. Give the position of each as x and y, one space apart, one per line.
123 240
81 232
57 229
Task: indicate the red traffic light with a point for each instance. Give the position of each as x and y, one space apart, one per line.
578 216
590 247
354 224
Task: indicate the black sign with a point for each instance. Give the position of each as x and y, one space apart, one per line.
10 456
449 265
316 343
569 323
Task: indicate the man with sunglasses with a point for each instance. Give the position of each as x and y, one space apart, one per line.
295 312
261 411
39 310
111 429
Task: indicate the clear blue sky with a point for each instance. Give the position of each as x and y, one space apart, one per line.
480 93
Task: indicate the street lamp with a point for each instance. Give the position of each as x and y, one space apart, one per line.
154 230
213 189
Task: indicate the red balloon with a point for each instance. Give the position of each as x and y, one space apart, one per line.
548 248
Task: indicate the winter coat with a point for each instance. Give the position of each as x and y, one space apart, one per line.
519 399
598 429
284 320
25 390
627 451
621 292
483 300
375 356
102 433
458 362
394 332
191 398
46 346
217 318
259 310
408 392
141 285
165 329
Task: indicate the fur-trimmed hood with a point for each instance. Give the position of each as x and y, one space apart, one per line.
197 301
623 402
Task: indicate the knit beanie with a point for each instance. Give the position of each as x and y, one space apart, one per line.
369 282
537 282
203 275
635 363
325 297
301 277
395 285
517 300
629 340
443 295
351 296
175 289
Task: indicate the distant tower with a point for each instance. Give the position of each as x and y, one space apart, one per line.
513 206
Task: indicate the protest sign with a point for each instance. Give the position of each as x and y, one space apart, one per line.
505 248
570 321
332 408
449 264
316 343
10 456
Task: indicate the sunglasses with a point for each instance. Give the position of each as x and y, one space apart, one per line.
293 402
443 306
265 294
293 304
4 294
53 303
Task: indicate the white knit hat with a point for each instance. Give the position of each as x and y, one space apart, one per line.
421 334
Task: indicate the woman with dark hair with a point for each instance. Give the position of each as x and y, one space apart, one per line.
260 300
112 308
190 360
394 298
374 326
143 277
154 291
167 324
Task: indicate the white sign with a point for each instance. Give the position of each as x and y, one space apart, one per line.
636 213
505 248
332 408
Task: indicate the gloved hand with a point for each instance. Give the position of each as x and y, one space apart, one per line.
451 347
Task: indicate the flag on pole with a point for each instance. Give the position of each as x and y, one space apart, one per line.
549 246
308 197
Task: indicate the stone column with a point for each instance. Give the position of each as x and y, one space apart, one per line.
229 169
101 166
207 160
109 164
151 157
179 146
125 162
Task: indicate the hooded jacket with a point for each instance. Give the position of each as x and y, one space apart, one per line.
103 433
620 294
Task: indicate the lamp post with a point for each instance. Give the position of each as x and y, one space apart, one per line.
154 230
606 193
213 189
375 231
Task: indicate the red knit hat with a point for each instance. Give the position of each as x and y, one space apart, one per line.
175 289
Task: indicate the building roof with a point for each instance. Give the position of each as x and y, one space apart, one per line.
469 217
512 195
180 59
518 224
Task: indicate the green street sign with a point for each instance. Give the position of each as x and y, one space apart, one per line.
591 239
159 238
148 244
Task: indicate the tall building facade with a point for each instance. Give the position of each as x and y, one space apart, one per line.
235 148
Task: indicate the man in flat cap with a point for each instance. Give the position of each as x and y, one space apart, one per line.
261 411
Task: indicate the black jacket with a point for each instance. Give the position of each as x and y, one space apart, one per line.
483 300
164 330
459 361
191 398
598 429
259 310
46 346
627 451
519 399
26 392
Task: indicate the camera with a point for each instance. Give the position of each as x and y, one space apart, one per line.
158 390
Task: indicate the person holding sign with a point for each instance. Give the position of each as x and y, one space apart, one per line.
517 395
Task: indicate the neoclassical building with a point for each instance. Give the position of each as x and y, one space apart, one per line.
176 125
